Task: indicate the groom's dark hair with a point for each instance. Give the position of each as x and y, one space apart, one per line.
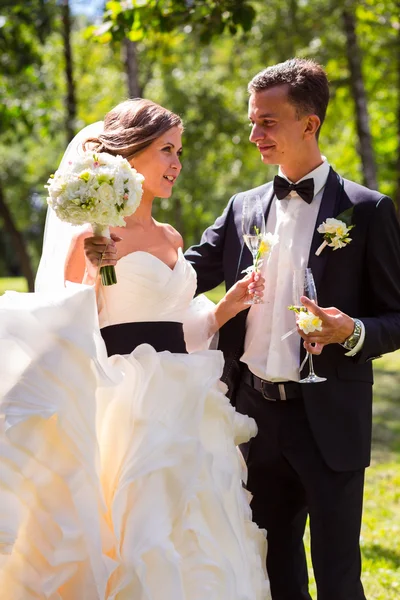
308 88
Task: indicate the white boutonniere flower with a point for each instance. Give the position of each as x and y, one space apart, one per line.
336 231
268 241
306 321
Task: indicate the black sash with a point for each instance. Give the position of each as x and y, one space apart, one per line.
162 335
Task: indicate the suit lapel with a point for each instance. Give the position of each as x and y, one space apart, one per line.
330 204
267 201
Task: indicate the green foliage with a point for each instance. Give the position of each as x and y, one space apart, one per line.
23 29
207 18
206 84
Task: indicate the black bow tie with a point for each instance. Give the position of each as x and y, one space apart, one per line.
305 188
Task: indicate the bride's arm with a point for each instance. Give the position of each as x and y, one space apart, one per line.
236 298
204 318
85 256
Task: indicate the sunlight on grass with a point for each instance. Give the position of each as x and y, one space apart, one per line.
216 294
380 531
17 284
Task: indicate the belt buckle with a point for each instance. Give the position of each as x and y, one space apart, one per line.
281 388
264 394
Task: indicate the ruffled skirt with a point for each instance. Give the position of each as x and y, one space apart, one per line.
120 478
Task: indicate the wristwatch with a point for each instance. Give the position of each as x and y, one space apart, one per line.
353 339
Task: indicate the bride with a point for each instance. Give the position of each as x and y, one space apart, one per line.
119 475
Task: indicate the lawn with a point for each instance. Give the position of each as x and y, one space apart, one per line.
381 524
13 283
380 533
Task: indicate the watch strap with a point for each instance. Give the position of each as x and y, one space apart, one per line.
352 341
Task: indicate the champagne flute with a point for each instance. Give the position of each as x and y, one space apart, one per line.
304 285
253 229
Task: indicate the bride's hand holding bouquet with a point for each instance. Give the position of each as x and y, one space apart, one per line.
100 252
99 189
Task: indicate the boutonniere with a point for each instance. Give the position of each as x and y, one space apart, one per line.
336 231
267 242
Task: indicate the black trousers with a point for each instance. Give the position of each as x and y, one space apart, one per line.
289 480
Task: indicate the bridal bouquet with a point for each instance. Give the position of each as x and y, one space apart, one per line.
99 189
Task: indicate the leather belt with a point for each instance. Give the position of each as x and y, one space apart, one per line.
287 390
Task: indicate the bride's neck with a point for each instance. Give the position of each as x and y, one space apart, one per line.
142 215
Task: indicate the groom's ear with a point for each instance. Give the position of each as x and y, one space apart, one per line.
312 124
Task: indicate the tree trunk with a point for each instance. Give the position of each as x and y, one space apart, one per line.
17 241
71 95
360 99
132 68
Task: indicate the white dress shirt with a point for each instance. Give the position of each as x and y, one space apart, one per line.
294 221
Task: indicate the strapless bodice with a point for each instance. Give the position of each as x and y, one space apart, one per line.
147 290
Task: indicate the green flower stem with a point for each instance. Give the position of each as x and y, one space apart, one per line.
108 275
296 309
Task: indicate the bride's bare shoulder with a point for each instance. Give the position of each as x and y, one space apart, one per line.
174 237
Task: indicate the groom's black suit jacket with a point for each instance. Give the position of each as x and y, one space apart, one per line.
362 279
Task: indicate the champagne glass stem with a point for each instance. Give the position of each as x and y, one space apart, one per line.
310 361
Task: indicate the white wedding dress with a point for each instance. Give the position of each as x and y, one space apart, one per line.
119 477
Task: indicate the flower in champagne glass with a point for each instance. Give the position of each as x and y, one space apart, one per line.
268 241
306 321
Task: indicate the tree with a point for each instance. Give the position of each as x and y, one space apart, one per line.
132 68
206 18
360 98
70 103
33 114
206 84
22 32
130 23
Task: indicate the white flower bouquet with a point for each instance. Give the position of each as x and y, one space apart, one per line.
99 189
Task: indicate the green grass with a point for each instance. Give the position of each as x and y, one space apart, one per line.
216 294
19 285
13 283
380 533
380 536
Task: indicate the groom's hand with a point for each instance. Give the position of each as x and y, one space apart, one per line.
336 327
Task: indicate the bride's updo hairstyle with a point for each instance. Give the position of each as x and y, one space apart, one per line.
132 126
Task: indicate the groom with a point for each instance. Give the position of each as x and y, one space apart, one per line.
313 442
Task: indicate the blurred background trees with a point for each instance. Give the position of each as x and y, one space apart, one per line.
65 63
